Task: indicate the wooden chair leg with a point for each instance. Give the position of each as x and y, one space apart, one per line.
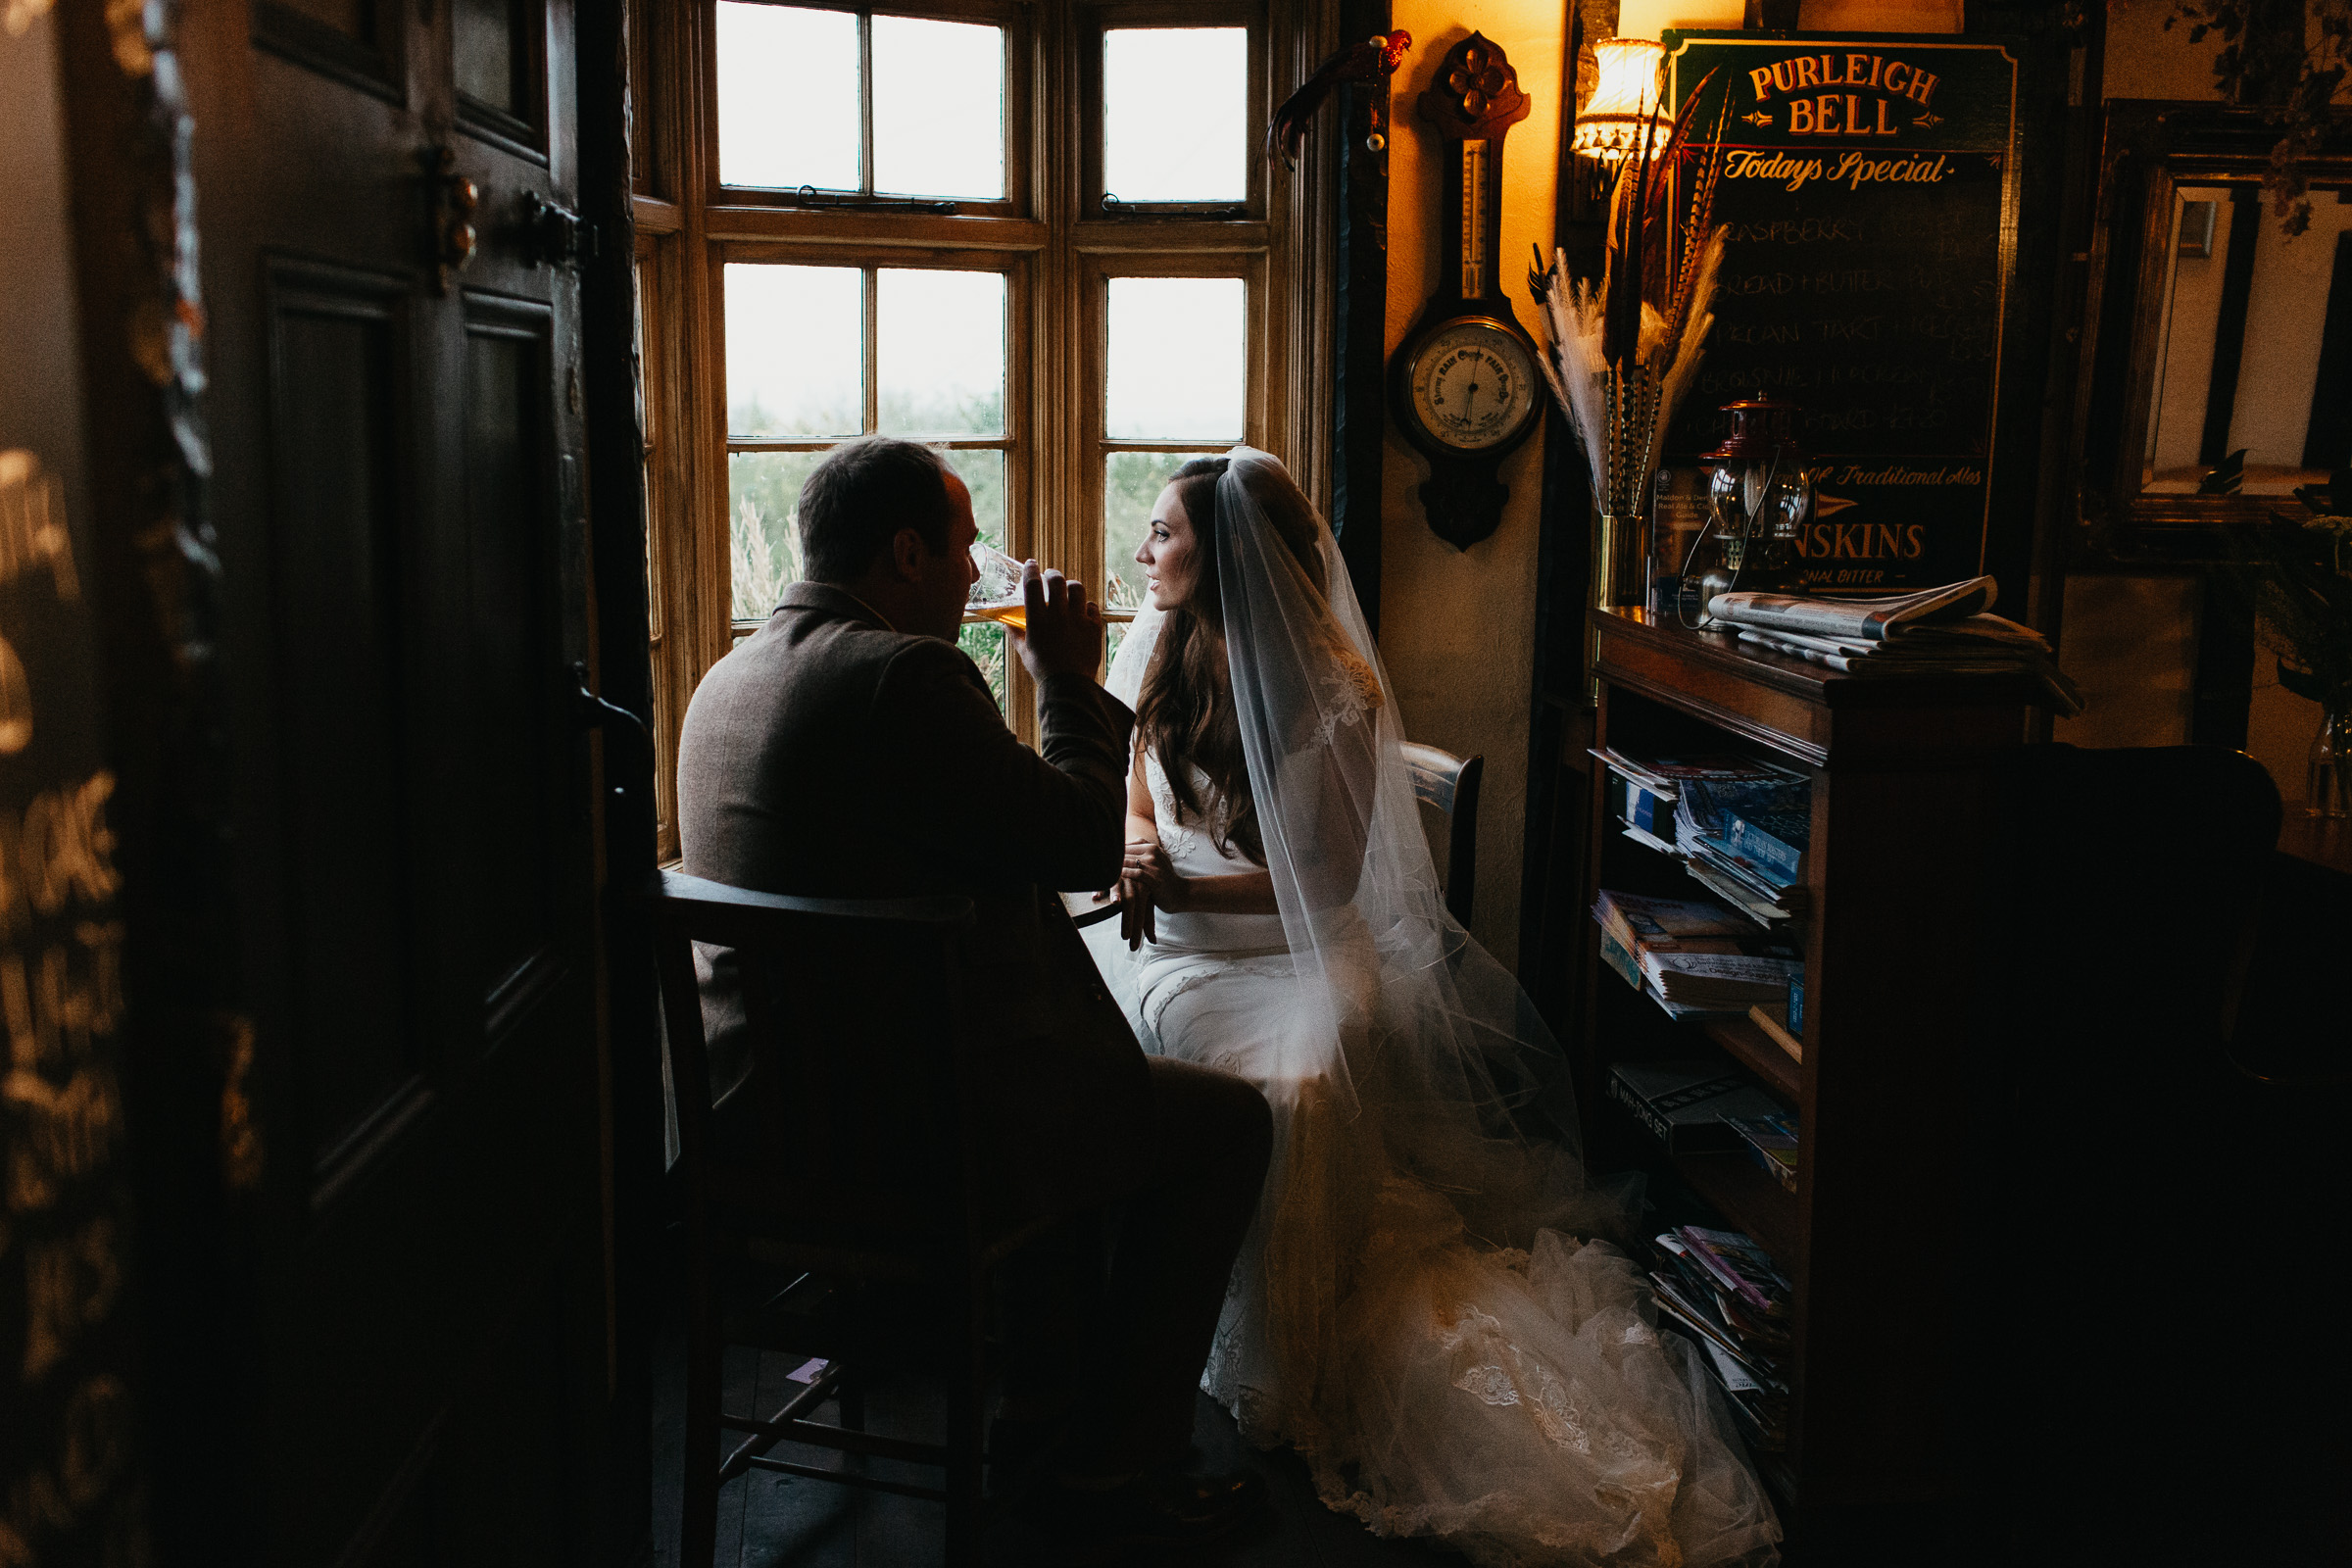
968 1434
706 1351
852 1396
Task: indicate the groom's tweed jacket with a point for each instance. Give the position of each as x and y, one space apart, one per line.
830 756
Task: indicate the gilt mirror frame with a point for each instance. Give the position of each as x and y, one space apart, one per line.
2149 149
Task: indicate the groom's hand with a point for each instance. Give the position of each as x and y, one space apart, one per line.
1144 877
1136 923
1064 636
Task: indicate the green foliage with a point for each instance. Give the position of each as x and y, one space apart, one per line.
763 494
763 488
984 643
2293 78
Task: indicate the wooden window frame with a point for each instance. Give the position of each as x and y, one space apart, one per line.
1020 60
1106 16
1013 265
1091 554
1048 235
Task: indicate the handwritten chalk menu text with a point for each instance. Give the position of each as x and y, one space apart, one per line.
67 1489
1869 192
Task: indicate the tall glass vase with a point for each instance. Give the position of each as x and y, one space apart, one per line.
1621 562
2327 780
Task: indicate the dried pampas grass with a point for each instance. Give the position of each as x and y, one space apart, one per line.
1621 353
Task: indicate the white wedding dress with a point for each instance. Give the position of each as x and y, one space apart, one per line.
1412 1311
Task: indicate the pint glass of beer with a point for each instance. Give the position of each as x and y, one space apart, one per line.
997 593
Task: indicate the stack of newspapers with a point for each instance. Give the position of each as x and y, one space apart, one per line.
1939 631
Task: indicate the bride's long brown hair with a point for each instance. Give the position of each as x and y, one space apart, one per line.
1185 712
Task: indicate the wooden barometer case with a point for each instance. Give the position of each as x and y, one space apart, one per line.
1465 384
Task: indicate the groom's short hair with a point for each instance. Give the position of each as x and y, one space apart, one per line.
857 500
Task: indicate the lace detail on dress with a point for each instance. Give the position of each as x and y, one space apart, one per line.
1165 993
1348 691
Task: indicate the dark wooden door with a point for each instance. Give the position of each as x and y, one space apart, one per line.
395 407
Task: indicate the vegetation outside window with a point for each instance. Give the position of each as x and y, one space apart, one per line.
1035 233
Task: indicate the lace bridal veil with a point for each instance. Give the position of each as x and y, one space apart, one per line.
1406 1016
1413 1313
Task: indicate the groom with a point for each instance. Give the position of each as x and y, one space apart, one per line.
850 749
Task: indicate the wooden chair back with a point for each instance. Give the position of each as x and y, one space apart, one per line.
843 1154
845 1135
1450 784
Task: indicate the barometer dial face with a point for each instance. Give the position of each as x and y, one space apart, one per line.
1473 385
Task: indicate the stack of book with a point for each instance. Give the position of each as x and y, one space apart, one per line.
1938 631
1717 982
1723 1291
1692 956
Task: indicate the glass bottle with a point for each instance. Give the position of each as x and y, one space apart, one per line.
2328 775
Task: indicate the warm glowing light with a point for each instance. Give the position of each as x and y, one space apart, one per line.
1626 102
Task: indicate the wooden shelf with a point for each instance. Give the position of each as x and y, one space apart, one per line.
1905 805
1752 1047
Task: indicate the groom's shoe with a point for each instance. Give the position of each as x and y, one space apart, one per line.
1159 1508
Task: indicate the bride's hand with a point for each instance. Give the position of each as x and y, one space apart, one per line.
1147 865
1136 923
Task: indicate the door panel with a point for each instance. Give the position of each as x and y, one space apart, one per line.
357 43
516 806
339 540
486 34
501 66
394 426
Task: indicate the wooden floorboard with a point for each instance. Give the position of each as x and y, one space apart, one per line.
771 1521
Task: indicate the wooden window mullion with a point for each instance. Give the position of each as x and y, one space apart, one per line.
872 351
865 102
1055 253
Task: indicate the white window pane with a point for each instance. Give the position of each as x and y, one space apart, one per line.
942 351
939 107
1176 114
796 354
982 472
787 97
763 500
1178 346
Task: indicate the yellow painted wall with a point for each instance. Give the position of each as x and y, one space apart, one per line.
1457 627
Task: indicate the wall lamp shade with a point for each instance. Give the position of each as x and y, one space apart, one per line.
1626 103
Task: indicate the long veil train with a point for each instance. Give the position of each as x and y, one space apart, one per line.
1413 1312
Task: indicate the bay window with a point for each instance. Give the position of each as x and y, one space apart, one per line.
1036 235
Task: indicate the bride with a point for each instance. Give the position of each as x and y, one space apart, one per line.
1412 1312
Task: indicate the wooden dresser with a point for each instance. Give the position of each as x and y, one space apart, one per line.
1905 804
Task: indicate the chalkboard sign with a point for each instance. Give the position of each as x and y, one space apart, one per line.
68 1488
1870 185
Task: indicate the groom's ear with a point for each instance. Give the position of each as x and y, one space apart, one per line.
908 554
